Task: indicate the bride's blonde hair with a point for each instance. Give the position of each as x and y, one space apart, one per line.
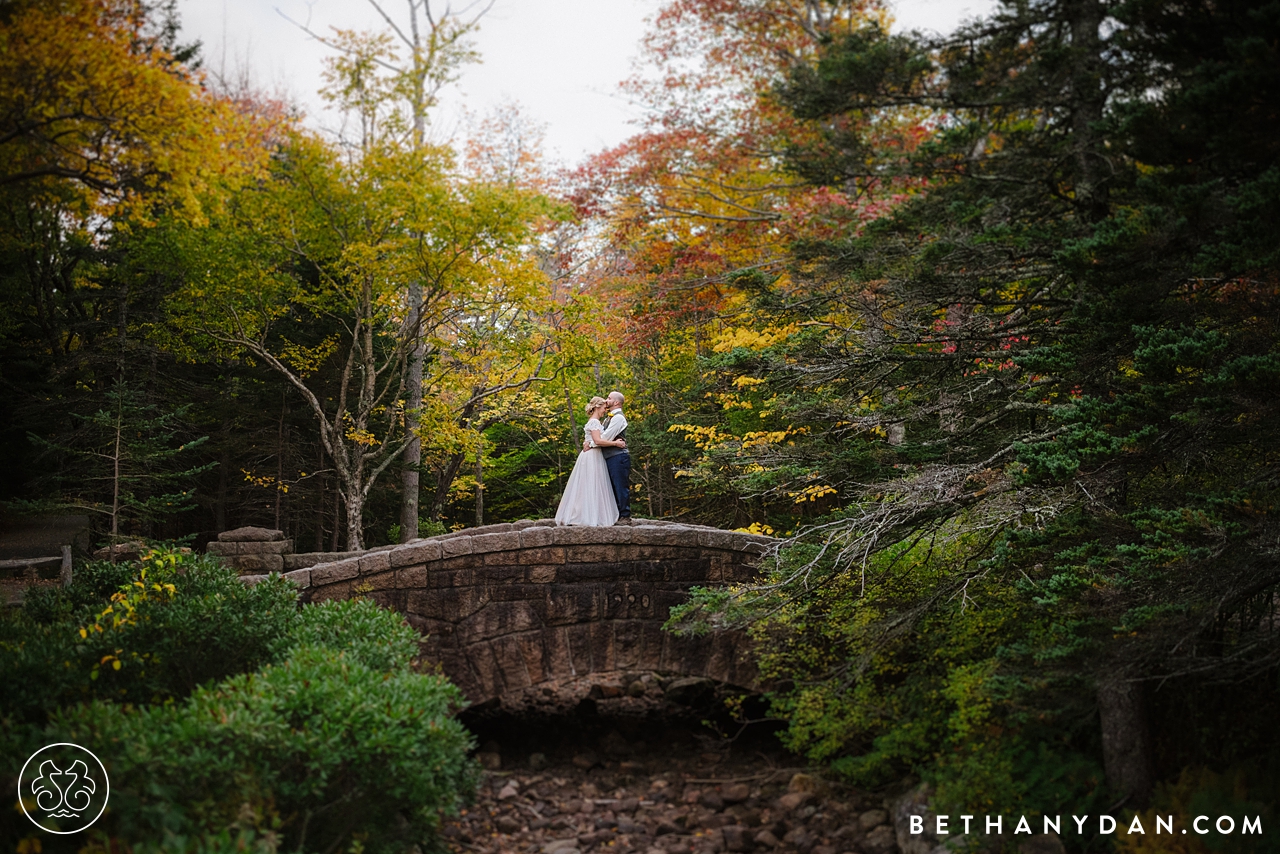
593 403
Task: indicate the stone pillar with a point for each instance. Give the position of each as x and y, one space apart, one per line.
252 551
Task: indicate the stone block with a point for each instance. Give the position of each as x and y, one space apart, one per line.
568 604
590 572
538 537
443 577
455 546
589 554
496 620
252 579
532 523
615 534
503 541
547 555
451 604
375 562
416 553
500 574
329 573
300 577
462 562
688 571
498 558
652 552
412 576
577 535
539 574
305 559
338 591
216 547
250 534
716 539
496 528
665 536
259 563
385 580
273 547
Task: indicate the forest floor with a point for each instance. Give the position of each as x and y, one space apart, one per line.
559 786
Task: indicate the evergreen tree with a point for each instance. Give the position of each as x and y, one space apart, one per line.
1060 358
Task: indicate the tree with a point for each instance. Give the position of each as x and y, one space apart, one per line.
438 45
1063 328
123 463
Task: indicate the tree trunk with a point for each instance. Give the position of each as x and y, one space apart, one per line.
445 479
410 476
1126 744
337 514
480 484
1087 102
355 513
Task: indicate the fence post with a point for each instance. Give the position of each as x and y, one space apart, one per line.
66 566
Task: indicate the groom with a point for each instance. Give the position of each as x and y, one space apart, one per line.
618 459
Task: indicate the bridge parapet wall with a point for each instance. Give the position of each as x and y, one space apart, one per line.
509 608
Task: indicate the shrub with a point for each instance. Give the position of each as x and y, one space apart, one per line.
142 632
321 748
230 720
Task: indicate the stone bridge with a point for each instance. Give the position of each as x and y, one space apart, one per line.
516 611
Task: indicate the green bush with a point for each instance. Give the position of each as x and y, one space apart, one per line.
321 749
229 719
138 633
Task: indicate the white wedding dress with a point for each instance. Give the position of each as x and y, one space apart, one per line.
588 496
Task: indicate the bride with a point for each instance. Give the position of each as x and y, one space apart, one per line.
588 496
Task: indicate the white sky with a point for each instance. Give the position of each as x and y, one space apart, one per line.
561 60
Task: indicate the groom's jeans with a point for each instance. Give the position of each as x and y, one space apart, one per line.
620 477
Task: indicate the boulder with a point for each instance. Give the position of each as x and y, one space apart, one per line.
691 691
251 534
914 802
1042 843
881 840
123 551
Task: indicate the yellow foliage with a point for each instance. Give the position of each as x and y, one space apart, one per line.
752 339
812 493
757 528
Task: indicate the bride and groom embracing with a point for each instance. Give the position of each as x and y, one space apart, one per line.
597 493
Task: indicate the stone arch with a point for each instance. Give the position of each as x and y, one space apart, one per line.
509 608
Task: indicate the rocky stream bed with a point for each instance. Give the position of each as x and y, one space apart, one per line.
655 782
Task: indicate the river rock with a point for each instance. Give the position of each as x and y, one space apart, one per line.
586 760
736 837
880 840
561 846
803 783
766 838
915 802
691 690
793 801
735 793
1042 843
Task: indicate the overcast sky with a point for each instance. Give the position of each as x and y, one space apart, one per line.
561 60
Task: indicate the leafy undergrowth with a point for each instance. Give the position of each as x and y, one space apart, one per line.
229 719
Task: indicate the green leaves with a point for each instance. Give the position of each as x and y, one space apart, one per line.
234 714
